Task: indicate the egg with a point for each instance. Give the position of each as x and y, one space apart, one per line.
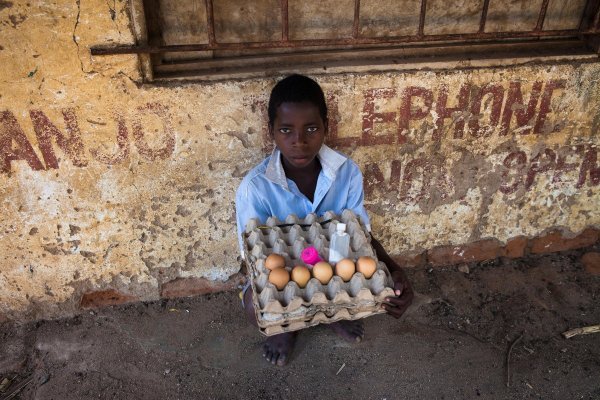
301 275
345 269
366 266
274 261
279 277
322 271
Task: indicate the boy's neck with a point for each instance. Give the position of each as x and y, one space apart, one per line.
305 178
312 170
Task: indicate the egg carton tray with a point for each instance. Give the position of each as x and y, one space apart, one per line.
295 308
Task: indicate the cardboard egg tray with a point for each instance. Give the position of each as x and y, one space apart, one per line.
294 308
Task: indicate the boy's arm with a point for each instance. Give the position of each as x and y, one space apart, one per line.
248 204
396 306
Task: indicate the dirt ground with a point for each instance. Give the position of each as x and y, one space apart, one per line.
452 344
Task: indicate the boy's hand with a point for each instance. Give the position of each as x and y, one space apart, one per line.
396 306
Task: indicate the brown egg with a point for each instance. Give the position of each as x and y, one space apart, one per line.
274 261
279 277
322 271
345 269
300 275
366 266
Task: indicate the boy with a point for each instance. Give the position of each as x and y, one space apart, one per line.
301 176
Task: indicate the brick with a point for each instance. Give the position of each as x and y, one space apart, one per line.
591 262
482 250
516 247
104 298
555 241
185 287
411 260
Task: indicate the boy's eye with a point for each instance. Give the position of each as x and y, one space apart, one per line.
285 130
312 129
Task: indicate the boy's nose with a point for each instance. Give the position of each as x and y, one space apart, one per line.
299 136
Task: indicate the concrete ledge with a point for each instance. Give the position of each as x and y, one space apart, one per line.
516 247
477 251
104 298
490 249
411 260
555 241
185 287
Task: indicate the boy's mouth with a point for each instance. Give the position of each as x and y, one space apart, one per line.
300 159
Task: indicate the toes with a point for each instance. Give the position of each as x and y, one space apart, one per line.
277 349
358 336
359 331
356 330
355 327
278 358
352 331
268 355
282 360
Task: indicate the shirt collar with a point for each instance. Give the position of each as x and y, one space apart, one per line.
330 159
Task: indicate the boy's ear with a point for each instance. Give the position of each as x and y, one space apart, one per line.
270 130
326 124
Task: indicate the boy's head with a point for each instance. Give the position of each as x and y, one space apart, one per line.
297 89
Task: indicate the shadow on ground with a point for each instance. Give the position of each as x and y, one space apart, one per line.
452 344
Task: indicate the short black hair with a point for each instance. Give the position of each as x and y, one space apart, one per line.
297 89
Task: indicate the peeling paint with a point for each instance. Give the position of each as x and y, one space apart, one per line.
5 4
16 19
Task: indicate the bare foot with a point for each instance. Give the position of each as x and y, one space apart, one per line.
278 348
351 331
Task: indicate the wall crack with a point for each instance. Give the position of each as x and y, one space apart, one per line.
74 36
121 73
78 2
113 14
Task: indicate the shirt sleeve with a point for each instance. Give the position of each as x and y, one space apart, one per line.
356 196
248 205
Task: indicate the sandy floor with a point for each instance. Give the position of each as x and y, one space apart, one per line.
451 345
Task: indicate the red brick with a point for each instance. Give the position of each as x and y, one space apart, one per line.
411 260
482 250
185 287
104 298
516 247
555 241
591 262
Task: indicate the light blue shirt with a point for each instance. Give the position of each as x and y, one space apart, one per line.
265 191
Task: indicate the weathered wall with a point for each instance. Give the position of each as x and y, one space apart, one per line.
113 191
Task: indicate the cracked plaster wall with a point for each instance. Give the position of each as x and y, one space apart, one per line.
109 184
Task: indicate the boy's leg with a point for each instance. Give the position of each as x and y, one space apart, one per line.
248 307
277 348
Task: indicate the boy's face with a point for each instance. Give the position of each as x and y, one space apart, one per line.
299 132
